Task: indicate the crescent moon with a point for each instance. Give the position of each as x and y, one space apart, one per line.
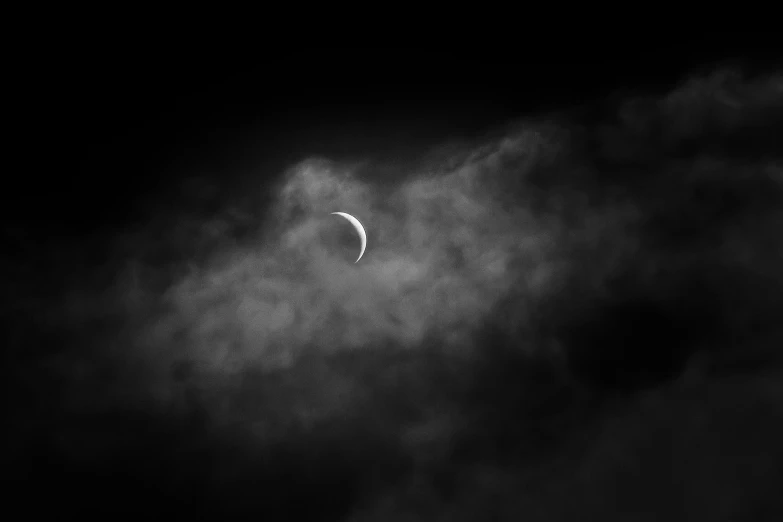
359 229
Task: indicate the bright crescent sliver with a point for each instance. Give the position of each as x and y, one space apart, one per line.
359 228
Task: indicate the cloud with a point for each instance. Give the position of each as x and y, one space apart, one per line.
504 280
441 252
492 232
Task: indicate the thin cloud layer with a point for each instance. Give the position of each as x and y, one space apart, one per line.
490 232
621 240
441 252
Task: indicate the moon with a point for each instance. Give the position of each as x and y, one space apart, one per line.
359 229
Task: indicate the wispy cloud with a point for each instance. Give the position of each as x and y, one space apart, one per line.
522 240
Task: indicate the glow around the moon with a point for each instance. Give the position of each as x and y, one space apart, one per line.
359 229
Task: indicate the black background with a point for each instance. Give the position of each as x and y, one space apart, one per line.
114 124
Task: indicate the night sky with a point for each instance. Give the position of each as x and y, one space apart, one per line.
572 287
158 111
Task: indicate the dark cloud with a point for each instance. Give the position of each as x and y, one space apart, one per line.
557 310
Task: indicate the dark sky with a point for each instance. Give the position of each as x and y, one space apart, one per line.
116 130
119 123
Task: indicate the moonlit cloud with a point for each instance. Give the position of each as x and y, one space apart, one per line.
472 228
501 277
441 253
